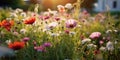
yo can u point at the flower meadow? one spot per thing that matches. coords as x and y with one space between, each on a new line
59 35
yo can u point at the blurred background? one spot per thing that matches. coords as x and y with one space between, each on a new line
45 4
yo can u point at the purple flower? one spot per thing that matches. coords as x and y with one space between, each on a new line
71 23
25 39
47 44
95 35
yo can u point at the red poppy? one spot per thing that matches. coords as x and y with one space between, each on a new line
30 20
7 24
16 45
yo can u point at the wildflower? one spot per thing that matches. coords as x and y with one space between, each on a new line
15 33
8 41
85 40
23 31
96 52
46 17
7 24
54 34
101 42
25 39
67 31
68 6
57 18
95 35
30 20
40 48
102 48
91 45
16 45
23 14
72 33
108 31
51 25
109 46
71 23
47 44
115 31
61 8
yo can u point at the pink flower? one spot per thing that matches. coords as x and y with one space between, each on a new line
67 31
25 39
40 48
47 44
71 23
95 35
101 42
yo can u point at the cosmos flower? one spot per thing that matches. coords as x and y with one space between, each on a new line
7 24
16 45
30 20
71 23
95 35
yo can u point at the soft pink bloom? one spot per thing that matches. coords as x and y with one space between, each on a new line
40 48
95 35
101 42
25 39
71 23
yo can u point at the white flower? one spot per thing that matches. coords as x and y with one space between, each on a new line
13 15
54 34
68 6
110 46
115 31
72 33
91 45
103 48
8 41
51 25
85 40
23 31
23 14
108 31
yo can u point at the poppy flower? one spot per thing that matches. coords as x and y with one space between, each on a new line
7 24
16 45
30 20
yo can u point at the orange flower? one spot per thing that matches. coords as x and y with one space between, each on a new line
30 20
16 45
7 24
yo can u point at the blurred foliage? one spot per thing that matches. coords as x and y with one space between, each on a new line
12 3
